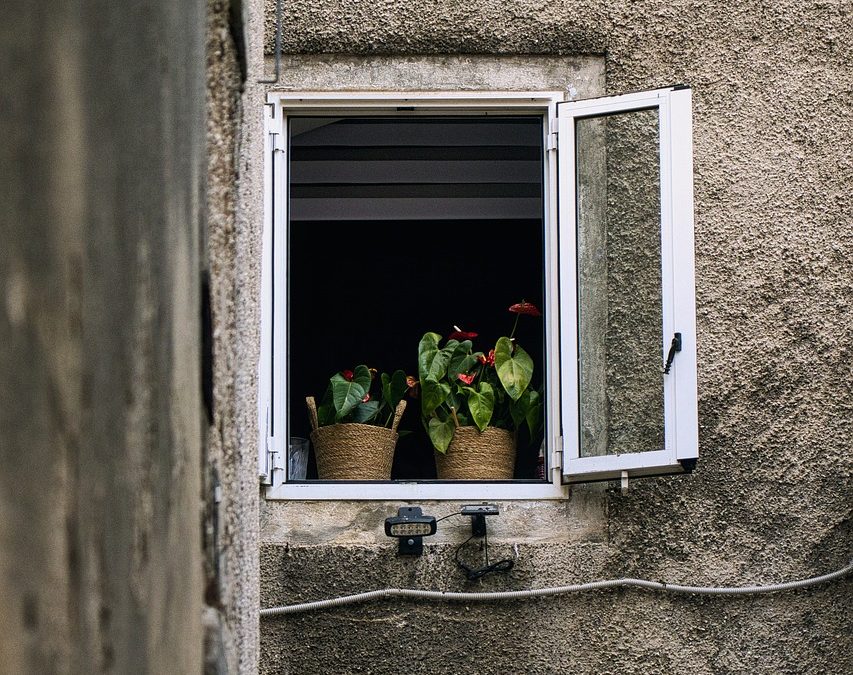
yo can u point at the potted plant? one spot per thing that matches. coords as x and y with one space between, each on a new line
354 431
473 403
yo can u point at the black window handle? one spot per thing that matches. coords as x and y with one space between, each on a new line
675 346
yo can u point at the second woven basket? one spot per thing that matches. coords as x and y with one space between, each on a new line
475 455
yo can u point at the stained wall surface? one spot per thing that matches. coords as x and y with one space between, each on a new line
771 497
101 174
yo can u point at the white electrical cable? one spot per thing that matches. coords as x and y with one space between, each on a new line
559 590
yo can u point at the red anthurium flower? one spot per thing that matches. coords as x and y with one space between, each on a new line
525 307
366 398
347 375
467 379
488 360
459 334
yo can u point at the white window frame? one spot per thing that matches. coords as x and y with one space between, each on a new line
561 315
272 448
681 444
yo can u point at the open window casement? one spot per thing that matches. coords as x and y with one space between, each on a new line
627 315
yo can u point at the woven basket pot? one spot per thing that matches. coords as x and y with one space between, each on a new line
472 455
353 451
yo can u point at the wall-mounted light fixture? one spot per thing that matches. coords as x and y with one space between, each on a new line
410 526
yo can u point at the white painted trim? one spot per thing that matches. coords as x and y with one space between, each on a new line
475 102
278 340
428 101
677 281
413 490
569 380
264 365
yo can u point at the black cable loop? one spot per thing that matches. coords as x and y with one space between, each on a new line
474 573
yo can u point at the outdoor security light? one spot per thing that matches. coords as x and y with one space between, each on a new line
410 526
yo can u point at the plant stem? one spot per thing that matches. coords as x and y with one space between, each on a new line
455 418
514 326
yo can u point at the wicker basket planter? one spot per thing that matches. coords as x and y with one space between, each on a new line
353 451
472 455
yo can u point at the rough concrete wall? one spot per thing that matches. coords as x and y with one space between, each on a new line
234 221
100 414
633 338
771 497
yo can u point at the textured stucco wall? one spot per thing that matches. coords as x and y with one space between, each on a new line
232 256
770 499
101 172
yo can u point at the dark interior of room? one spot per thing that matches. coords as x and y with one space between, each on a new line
407 225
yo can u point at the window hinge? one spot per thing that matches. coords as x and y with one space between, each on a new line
557 456
267 472
552 141
553 130
275 460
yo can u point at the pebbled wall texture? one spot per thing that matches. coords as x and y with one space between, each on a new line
771 497
231 258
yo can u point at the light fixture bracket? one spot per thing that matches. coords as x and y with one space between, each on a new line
478 513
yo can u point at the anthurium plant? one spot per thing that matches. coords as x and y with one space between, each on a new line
360 396
461 387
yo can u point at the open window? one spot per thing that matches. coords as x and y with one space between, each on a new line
388 216
628 336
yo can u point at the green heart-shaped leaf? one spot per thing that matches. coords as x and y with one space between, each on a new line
427 351
518 409
514 370
433 394
385 381
361 376
364 412
325 415
534 412
397 388
481 404
432 361
460 355
441 433
345 396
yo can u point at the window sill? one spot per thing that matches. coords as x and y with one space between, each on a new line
417 490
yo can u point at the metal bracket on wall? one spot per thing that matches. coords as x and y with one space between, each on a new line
274 80
624 482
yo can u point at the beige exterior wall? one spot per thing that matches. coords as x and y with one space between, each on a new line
102 164
231 255
770 499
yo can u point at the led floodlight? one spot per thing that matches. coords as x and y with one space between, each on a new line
410 525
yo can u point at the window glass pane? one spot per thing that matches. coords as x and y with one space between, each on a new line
619 283
403 225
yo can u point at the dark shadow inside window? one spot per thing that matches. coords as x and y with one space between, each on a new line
399 226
